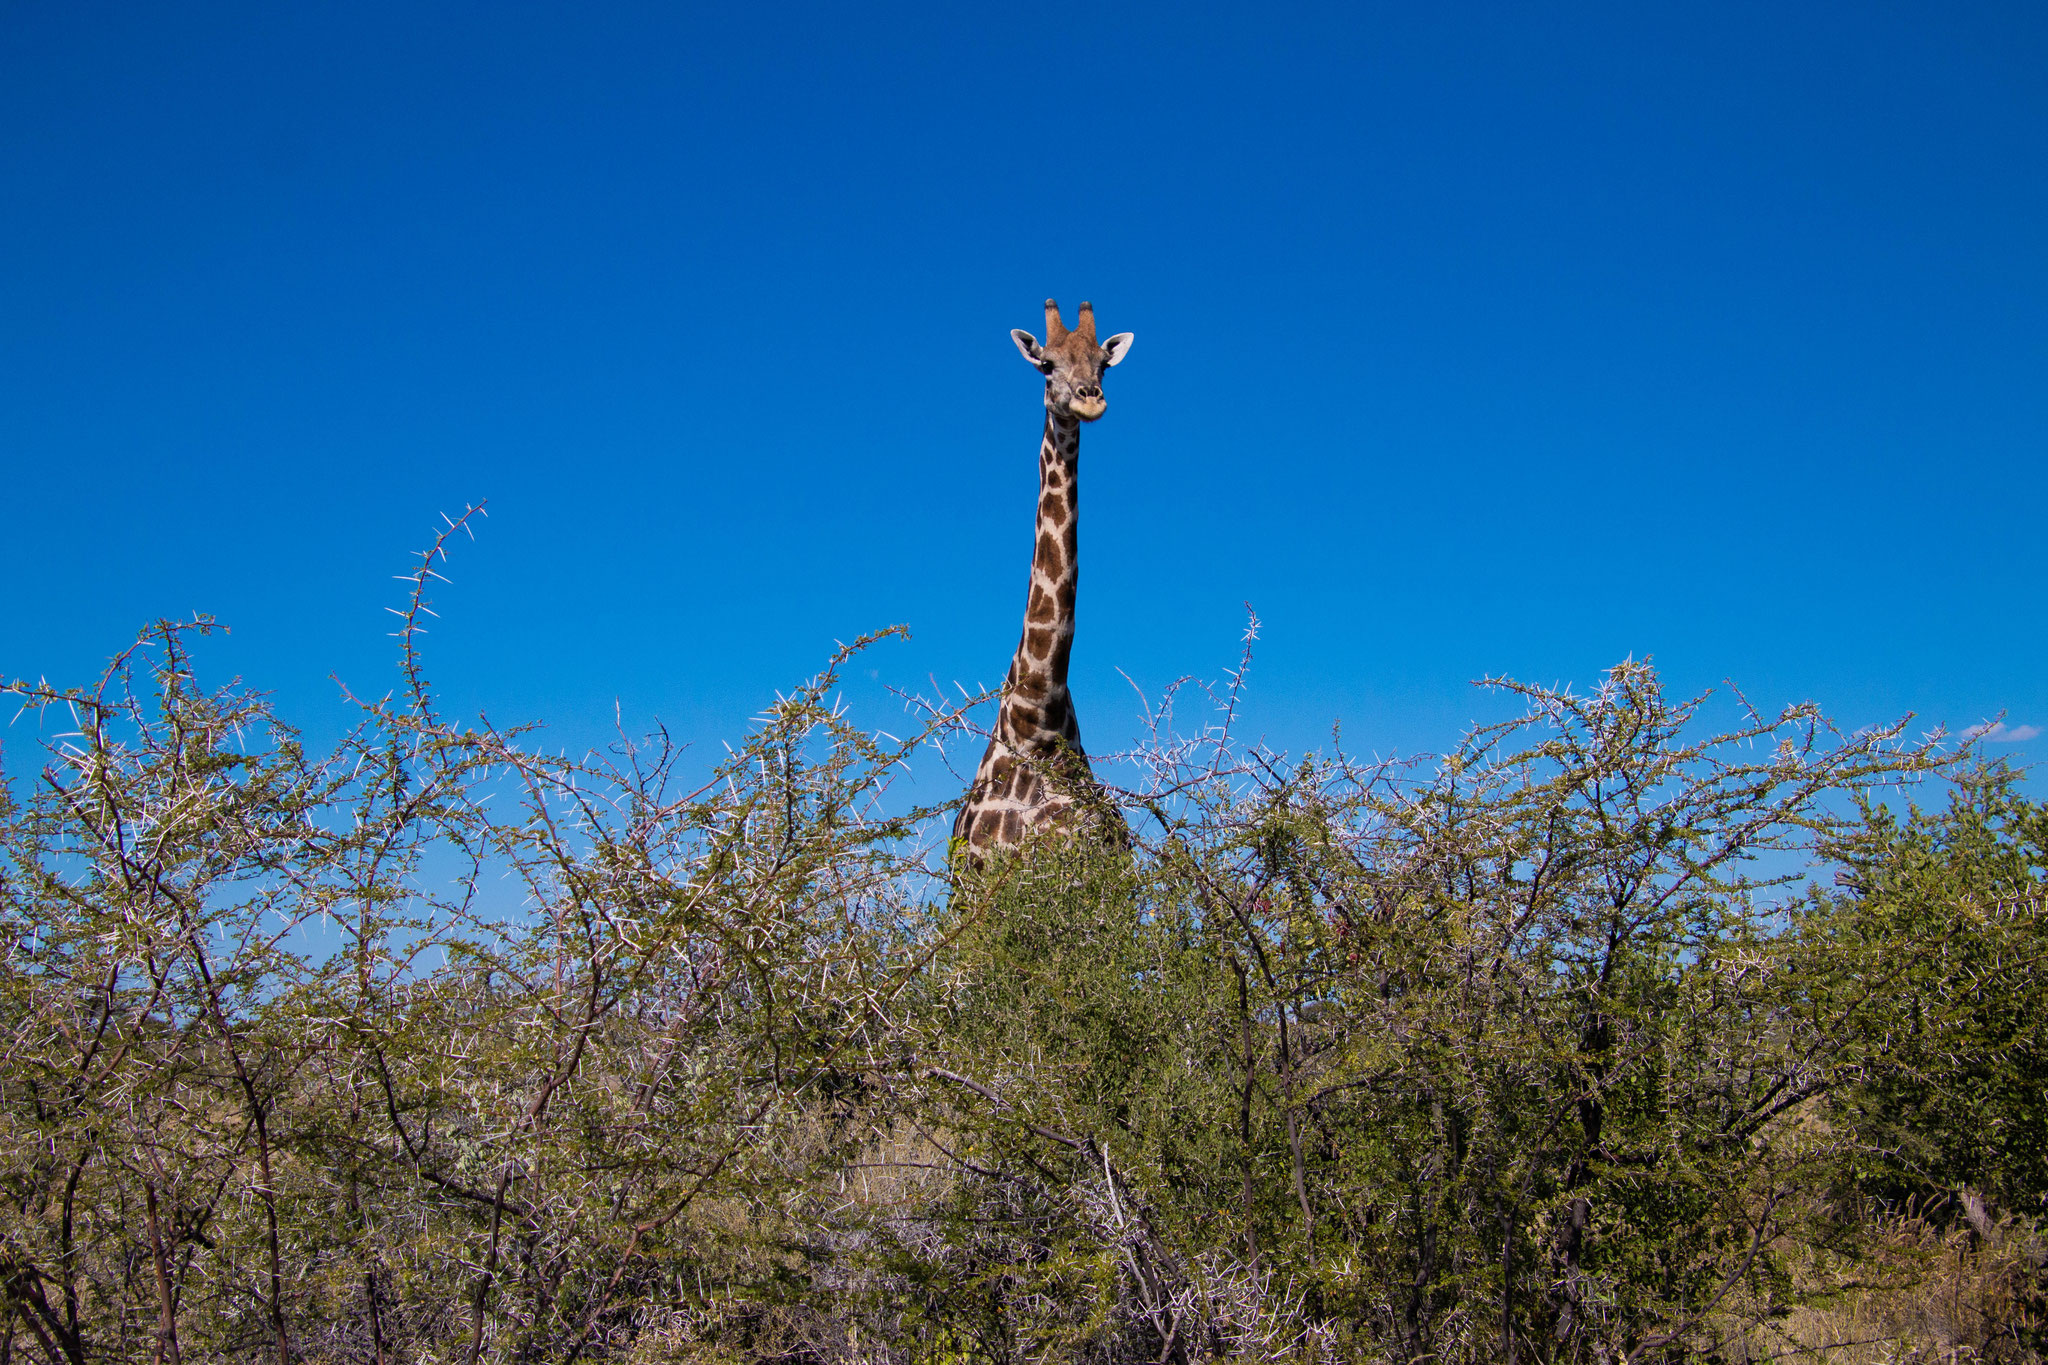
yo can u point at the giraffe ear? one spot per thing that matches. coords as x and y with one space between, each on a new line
1117 347
1028 345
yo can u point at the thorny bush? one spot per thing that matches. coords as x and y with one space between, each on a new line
435 1047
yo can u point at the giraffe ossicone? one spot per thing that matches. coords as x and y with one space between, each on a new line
1035 776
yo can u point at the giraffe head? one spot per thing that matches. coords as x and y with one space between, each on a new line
1072 362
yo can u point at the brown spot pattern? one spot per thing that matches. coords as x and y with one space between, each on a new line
1051 558
1035 767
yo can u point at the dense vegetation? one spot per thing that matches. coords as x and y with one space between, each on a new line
1607 1036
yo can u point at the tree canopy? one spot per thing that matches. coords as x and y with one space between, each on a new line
1612 1034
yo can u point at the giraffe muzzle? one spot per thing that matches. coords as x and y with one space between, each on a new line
1088 403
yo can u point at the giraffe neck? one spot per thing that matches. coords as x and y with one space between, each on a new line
1038 714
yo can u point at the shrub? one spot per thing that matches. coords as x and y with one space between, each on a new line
434 1047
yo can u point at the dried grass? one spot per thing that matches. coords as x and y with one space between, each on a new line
1915 1290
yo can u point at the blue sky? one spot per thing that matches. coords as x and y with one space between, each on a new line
1470 339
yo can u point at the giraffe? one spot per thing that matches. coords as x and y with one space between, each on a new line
1035 774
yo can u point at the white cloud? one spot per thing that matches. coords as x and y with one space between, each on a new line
2001 733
